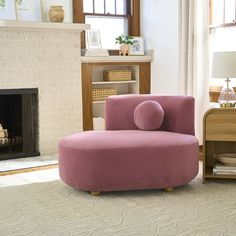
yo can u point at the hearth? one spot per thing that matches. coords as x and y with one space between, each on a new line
18 123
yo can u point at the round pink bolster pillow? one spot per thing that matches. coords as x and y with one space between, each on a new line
148 115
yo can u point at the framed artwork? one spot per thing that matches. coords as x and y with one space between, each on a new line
28 10
93 39
137 48
7 10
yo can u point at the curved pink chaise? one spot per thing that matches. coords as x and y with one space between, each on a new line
125 158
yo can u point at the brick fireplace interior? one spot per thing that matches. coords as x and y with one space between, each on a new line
18 123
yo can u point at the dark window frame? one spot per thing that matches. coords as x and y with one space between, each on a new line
133 16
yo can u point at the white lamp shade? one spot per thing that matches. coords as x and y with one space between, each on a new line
224 65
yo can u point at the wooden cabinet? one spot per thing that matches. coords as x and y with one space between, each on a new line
92 77
219 136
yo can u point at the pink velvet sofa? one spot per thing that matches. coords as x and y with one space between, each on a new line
125 157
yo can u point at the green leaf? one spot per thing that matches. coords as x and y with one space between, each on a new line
124 39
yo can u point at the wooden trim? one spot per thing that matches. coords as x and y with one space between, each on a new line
135 20
144 78
78 17
106 15
25 170
87 99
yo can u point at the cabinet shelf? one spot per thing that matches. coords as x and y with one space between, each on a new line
209 174
114 82
92 78
98 102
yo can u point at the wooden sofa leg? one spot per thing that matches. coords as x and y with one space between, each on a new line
168 189
95 193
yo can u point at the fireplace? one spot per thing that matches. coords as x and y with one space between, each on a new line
18 123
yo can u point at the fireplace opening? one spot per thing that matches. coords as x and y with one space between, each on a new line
18 123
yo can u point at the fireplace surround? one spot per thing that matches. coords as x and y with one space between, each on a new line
45 56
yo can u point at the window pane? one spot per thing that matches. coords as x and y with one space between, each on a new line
229 11
223 39
99 6
88 6
121 7
110 6
218 10
110 28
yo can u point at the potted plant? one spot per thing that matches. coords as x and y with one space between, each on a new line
124 41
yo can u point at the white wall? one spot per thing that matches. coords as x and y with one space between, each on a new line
159 27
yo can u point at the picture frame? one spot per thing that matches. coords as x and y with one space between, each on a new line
29 10
93 39
7 10
137 48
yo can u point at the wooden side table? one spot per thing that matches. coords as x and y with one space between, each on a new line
219 136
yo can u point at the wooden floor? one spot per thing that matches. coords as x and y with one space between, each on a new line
13 172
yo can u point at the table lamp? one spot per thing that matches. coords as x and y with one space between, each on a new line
224 66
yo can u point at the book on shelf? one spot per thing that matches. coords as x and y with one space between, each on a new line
221 169
95 52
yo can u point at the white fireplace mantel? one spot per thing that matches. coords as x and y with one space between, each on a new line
24 25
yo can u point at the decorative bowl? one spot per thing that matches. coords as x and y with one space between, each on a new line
228 159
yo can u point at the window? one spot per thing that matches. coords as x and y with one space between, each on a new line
108 16
111 17
222 13
223 31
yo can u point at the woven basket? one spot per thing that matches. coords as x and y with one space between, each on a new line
102 93
117 75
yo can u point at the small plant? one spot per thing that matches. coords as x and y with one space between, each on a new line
124 39
2 3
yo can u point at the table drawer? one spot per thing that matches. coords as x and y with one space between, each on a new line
221 125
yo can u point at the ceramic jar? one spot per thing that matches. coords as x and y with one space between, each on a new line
56 13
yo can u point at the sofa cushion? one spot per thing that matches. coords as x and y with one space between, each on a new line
127 159
148 115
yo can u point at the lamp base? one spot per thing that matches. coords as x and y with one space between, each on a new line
225 105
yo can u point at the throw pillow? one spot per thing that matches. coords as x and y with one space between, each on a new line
148 115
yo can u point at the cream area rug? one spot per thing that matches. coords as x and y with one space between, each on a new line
52 208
